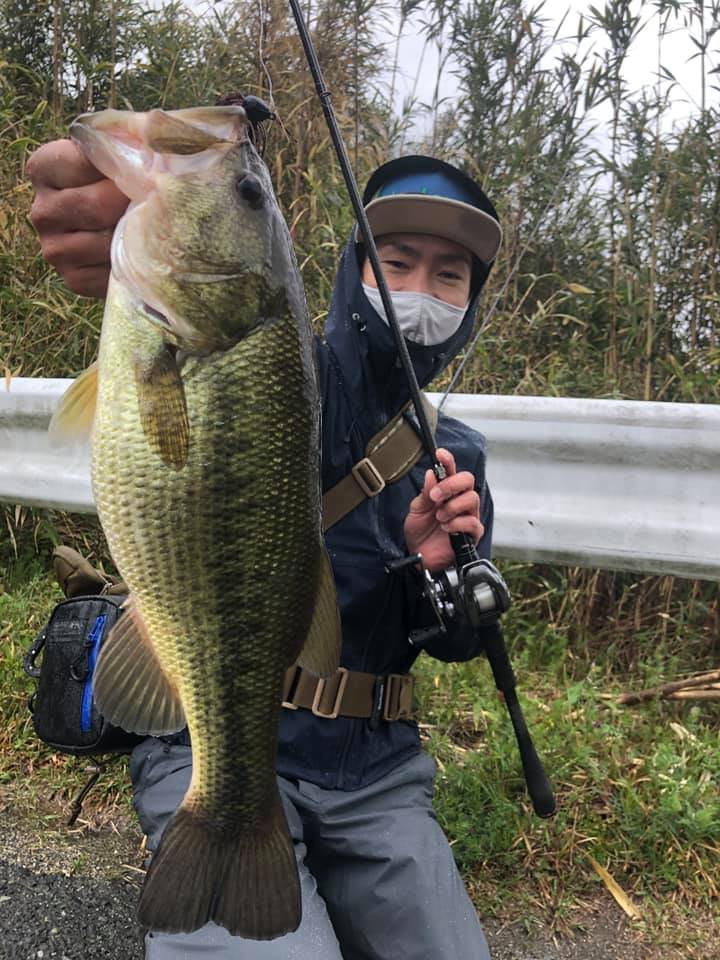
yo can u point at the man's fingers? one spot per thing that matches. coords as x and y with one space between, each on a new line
446 459
88 281
97 206
76 251
74 212
465 524
452 486
61 164
464 503
81 258
422 503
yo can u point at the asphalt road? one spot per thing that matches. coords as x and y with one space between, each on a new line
72 895
67 893
45 915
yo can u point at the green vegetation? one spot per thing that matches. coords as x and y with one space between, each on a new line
638 788
606 286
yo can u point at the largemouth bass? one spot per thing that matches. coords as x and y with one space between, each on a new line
205 469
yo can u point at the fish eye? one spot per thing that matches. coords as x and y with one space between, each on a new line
250 190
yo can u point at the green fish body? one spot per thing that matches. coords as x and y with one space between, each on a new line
205 467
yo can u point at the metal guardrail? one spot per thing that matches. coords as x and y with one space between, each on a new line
32 471
614 484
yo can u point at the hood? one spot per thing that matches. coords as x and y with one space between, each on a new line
364 346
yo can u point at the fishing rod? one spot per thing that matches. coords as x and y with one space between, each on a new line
479 588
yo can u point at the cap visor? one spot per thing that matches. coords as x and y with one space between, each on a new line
439 217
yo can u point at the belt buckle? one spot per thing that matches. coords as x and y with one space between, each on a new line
368 477
322 682
393 706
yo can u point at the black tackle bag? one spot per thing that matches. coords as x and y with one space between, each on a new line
63 706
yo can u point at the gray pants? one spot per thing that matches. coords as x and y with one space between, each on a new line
377 874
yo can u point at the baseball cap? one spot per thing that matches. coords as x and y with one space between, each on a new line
419 194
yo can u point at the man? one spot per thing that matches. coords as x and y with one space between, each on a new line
377 873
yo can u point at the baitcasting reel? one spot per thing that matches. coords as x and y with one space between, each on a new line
474 592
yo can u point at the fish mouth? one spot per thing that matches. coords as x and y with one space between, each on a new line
133 148
113 142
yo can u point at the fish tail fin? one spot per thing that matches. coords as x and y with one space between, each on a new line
246 881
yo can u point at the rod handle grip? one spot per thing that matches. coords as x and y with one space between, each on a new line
464 549
538 785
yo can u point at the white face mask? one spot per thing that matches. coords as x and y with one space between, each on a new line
422 318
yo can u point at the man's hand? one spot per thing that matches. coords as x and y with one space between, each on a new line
450 506
74 212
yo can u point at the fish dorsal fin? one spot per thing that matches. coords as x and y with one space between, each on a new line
165 133
321 652
131 688
163 410
73 419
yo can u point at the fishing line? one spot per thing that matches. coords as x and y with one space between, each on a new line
261 55
491 312
262 9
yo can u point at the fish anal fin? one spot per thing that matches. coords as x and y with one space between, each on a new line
162 406
131 688
73 419
244 880
321 652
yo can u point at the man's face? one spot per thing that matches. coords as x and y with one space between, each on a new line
420 263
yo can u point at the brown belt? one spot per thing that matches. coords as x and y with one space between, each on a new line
350 693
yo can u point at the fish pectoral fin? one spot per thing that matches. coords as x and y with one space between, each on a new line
131 688
321 652
165 133
162 406
73 419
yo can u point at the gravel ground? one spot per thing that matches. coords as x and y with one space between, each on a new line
69 895
72 894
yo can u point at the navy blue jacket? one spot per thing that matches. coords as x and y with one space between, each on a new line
362 388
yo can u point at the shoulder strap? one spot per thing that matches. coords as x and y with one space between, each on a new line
389 455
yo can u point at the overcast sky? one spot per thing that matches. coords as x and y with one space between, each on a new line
641 68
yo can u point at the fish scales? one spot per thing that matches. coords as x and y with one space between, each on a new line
202 567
